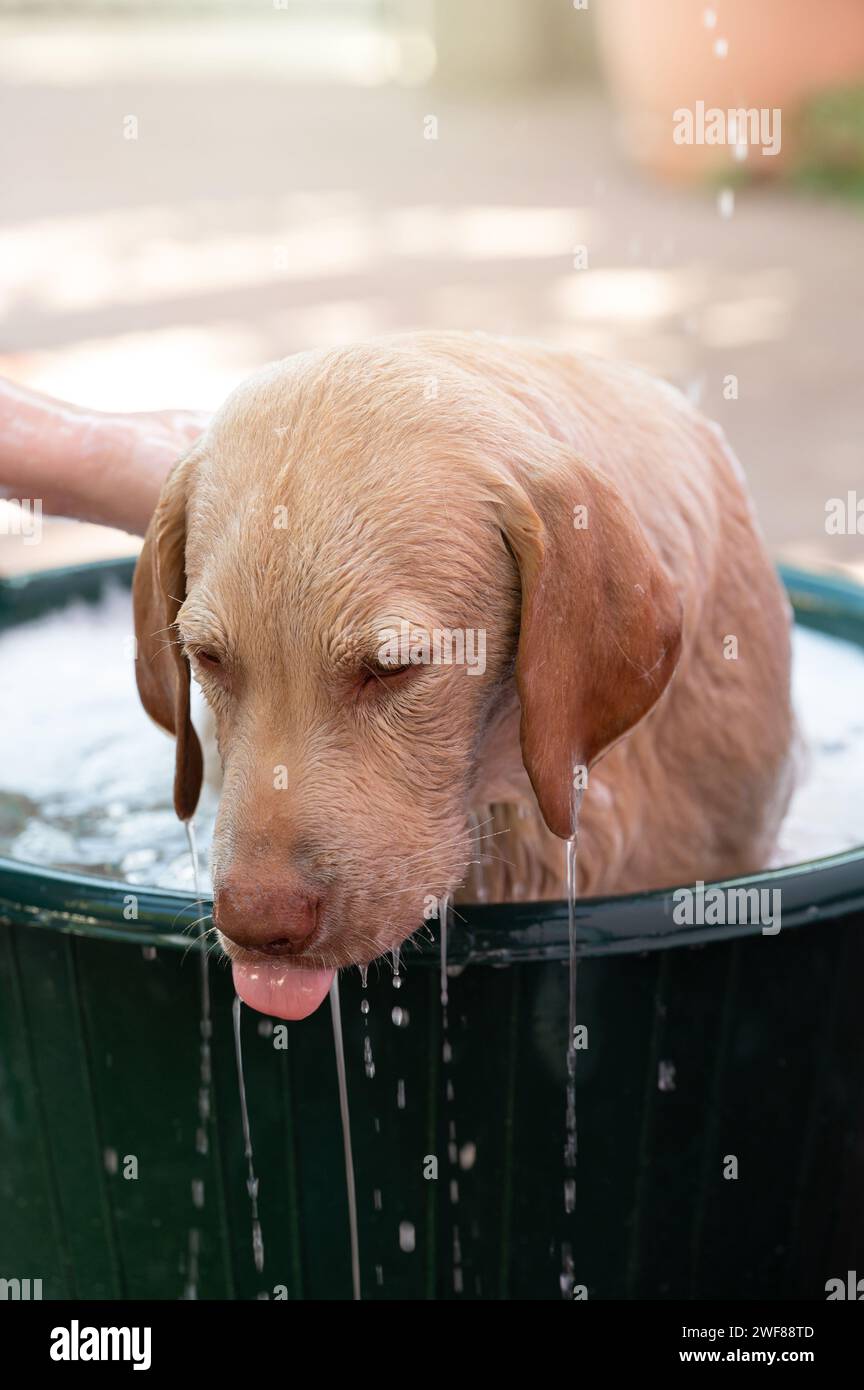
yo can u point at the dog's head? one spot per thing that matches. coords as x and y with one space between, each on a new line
370 562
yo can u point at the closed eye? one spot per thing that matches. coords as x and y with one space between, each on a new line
205 658
373 673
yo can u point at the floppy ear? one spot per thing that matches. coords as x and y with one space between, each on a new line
161 670
600 627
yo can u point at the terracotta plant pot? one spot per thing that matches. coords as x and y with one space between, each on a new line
665 57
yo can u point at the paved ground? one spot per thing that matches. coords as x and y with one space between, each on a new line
254 216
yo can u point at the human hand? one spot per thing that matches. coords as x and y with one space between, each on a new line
91 465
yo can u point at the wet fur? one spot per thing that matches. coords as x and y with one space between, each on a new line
433 477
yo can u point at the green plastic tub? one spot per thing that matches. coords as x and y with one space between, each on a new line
705 1044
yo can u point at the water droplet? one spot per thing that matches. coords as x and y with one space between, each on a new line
570 1195
397 978
567 1270
191 1289
721 48
467 1156
364 974
377 1199
148 952
257 1246
454 1192
364 1006
407 1237
400 1017
379 1275
197 1192
265 1027
666 1076
109 1158
400 1094
367 1057
726 203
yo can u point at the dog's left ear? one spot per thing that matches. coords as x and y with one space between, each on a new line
600 627
161 669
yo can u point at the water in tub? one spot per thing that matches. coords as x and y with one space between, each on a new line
85 776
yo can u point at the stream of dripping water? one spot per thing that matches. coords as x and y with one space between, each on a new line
205 1029
251 1180
368 1059
346 1135
445 910
449 1093
571 1144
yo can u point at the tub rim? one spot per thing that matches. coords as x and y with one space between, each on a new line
815 890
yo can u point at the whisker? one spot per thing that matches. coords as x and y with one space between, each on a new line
459 839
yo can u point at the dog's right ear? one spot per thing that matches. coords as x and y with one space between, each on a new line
601 621
161 670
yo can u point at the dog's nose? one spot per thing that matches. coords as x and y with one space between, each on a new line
279 916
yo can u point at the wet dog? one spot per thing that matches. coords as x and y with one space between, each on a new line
342 508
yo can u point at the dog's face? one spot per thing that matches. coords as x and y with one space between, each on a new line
344 569
313 573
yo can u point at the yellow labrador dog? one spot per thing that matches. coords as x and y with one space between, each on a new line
439 582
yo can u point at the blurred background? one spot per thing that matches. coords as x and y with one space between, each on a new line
193 187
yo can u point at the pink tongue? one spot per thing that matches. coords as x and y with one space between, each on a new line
272 988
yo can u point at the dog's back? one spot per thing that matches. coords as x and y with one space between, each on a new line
700 787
